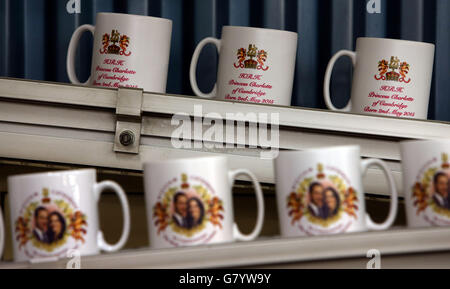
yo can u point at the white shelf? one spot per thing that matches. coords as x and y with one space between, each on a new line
74 125
273 252
68 124
55 93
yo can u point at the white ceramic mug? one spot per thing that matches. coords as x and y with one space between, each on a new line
255 65
426 176
320 192
189 202
390 78
129 51
53 214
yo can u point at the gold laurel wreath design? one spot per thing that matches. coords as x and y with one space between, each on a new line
324 223
439 210
188 232
295 201
49 247
22 229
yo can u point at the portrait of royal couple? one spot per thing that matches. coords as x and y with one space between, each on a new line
324 202
188 212
49 227
441 196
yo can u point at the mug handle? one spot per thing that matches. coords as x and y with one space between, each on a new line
371 225
71 53
260 204
98 189
193 69
2 235
328 73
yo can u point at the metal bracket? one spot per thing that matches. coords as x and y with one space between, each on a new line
129 120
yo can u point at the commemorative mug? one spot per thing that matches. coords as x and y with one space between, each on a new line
189 202
426 176
391 78
129 51
320 192
53 214
253 67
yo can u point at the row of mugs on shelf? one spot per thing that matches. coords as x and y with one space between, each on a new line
189 201
391 77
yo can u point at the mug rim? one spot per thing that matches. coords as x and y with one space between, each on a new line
233 27
53 174
314 150
398 40
135 16
179 160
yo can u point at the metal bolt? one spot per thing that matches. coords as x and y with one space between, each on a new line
126 138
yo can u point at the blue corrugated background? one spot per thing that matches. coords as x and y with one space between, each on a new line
34 36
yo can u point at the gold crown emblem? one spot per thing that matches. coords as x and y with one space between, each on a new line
320 174
252 51
45 194
184 179
115 43
394 70
251 58
445 164
394 65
